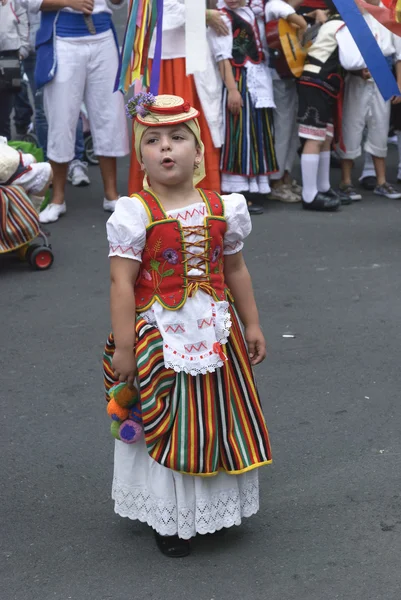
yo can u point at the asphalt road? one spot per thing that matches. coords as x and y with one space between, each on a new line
330 520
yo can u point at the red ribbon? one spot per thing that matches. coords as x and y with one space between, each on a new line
217 349
169 110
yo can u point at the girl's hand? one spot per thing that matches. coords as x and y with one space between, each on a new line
234 101
124 366
256 344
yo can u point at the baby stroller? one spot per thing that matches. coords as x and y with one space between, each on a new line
20 230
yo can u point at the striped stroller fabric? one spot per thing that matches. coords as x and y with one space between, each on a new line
248 148
199 425
19 221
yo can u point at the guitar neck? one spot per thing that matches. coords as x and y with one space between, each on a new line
311 34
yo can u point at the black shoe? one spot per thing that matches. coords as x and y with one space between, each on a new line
345 200
255 209
330 194
369 183
322 202
172 546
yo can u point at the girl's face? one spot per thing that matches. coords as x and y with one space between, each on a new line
169 154
234 4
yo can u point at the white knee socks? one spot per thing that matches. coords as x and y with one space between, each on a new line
310 168
323 174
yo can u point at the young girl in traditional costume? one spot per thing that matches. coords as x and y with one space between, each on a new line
176 270
248 154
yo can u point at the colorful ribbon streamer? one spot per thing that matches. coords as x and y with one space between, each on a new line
143 16
368 47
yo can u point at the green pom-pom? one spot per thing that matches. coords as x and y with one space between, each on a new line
115 429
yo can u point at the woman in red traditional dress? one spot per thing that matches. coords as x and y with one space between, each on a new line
202 90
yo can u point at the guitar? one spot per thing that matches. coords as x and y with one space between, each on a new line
288 52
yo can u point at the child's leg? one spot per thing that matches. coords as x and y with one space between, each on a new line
346 171
399 155
323 175
380 169
310 168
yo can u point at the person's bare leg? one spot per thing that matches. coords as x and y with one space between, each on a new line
346 171
380 168
108 168
59 181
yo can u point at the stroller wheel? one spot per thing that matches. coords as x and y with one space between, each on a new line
28 251
30 138
90 156
41 258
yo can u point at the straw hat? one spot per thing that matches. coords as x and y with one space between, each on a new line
9 162
165 110
158 111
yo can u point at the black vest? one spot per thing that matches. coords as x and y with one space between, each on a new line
246 43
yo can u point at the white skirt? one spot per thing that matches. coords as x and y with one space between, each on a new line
177 504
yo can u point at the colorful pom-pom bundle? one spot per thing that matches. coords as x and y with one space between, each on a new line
125 413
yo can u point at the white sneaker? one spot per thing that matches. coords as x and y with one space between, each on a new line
109 205
52 213
78 173
283 194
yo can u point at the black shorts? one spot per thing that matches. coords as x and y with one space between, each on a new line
315 113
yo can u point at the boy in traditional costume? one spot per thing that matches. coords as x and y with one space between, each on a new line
176 269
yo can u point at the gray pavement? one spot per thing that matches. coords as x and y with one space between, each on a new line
330 520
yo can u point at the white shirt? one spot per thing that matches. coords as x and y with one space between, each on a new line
277 9
274 10
350 57
173 45
191 332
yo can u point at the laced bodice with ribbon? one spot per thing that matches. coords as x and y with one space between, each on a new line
183 266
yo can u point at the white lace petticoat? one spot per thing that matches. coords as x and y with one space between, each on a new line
177 504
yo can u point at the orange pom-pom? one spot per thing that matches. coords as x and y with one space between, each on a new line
123 395
116 412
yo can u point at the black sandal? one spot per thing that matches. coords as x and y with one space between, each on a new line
172 546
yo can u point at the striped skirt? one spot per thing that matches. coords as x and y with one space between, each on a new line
248 147
201 424
19 222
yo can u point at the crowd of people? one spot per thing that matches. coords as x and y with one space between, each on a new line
255 119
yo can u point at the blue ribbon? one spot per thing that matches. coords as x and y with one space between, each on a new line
368 47
156 65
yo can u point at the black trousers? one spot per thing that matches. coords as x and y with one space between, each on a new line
6 105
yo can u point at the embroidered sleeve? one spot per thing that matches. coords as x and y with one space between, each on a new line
126 229
239 223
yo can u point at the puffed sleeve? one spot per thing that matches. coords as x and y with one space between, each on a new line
126 229
239 224
221 45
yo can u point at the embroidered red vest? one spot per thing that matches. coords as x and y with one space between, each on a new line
163 275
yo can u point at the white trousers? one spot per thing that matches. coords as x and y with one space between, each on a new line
364 107
285 125
86 72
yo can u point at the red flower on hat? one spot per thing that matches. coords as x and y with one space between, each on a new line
186 107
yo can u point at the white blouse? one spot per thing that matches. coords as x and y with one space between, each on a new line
193 334
259 79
